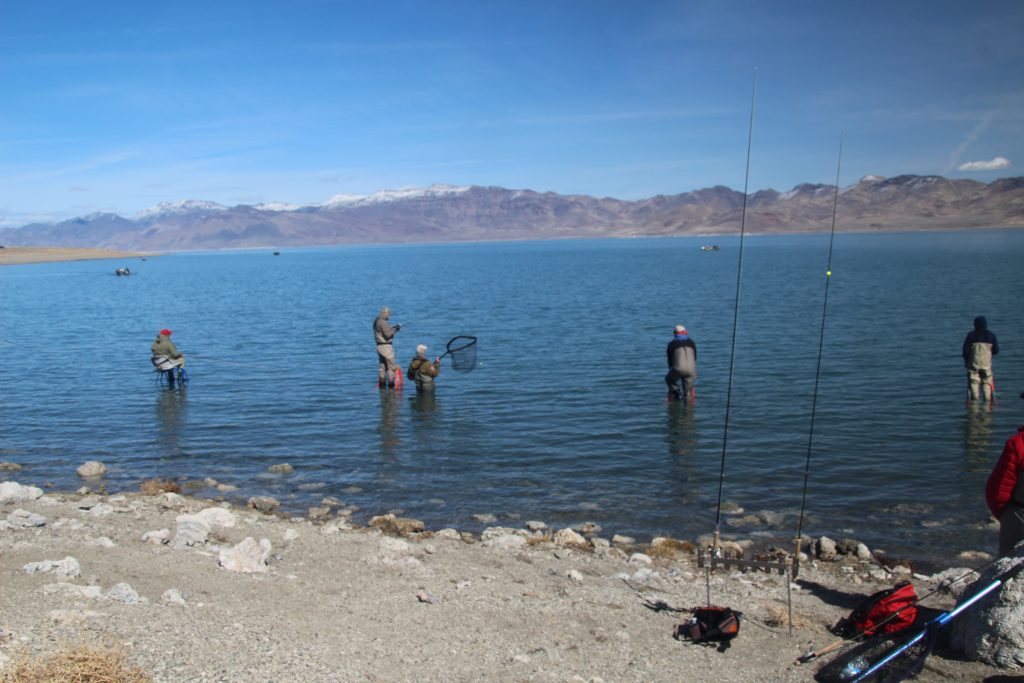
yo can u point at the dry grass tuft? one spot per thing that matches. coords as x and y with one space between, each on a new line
778 617
154 487
667 548
546 537
74 664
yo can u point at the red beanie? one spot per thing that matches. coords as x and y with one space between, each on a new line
165 332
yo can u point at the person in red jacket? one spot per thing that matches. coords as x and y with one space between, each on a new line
1004 492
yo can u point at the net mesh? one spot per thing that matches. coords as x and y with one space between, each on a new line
462 349
852 665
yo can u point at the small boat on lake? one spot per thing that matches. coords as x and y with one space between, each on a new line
710 247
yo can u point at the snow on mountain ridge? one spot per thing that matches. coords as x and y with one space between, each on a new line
381 196
179 207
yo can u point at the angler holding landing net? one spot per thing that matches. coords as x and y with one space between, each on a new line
423 371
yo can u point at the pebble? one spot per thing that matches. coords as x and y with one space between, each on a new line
574 576
157 537
534 525
265 504
282 468
485 518
619 539
173 596
569 537
68 567
426 597
122 592
248 557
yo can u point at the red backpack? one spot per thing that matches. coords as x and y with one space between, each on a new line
886 611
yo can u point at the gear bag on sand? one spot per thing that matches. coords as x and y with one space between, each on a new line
709 626
887 611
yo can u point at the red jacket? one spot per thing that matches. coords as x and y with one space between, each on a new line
1007 476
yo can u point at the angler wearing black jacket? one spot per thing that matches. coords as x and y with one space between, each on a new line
980 346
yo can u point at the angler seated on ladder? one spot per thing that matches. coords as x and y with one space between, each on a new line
167 359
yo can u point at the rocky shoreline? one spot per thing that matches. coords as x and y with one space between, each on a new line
200 591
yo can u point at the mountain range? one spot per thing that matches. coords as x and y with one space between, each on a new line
444 213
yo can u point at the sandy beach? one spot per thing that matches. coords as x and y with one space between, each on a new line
175 582
12 256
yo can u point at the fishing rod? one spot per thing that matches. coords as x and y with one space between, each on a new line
821 347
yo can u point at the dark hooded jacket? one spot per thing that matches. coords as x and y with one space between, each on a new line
682 355
980 346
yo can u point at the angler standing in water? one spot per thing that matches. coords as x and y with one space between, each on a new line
423 371
980 346
682 365
383 333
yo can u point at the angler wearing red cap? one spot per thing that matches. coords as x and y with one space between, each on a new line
165 355
682 365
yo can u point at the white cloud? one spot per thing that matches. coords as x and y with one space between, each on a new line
994 164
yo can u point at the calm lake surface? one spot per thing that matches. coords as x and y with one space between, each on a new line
564 420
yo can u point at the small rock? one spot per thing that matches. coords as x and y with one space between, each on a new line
265 504
619 539
568 537
83 491
9 467
248 557
172 501
91 468
826 548
24 519
104 542
282 468
401 526
319 514
426 597
331 501
68 567
589 528
574 576
535 525
640 560
190 530
450 534
122 592
485 518
173 596
157 537
226 488
290 535
862 552
217 517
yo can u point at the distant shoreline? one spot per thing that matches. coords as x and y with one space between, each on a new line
13 256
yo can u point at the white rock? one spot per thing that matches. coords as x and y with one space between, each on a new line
67 567
569 537
189 531
24 519
574 576
505 542
157 537
122 592
486 518
393 546
104 542
173 596
92 468
619 539
171 501
100 510
12 491
640 560
217 516
450 534
534 525
290 535
248 557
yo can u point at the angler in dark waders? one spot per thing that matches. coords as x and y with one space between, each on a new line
166 358
682 365
383 333
980 346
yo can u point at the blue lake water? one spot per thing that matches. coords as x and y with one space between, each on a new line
564 420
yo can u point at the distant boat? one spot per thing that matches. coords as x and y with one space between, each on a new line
277 253
710 247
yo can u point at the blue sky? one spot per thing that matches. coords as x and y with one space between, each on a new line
116 106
